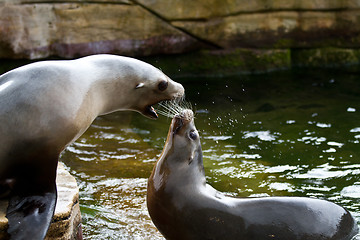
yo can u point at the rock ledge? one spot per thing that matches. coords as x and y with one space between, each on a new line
66 223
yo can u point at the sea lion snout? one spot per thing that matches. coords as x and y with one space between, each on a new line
176 88
186 115
181 119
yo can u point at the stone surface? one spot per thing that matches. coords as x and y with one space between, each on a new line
66 223
283 29
223 62
36 29
63 1
71 30
187 9
253 61
328 57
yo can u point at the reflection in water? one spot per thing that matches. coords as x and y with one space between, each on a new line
119 211
288 133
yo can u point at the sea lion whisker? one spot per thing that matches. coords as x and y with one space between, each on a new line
171 108
166 114
175 107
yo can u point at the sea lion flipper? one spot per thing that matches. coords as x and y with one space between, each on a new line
30 216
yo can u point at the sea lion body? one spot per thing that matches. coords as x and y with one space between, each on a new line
183 206
47 105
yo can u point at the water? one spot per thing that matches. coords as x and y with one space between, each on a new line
280 134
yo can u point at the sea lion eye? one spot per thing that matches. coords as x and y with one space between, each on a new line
163 85
193 135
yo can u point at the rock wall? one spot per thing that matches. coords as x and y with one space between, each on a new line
39 30
36 29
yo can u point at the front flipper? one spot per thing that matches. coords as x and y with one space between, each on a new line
30 216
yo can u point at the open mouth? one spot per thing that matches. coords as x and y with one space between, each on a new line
150 112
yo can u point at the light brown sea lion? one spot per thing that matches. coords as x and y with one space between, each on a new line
182 206
47 105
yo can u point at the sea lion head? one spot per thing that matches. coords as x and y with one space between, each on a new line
152 87
183 142
124 83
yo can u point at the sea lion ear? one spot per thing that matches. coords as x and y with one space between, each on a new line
140 85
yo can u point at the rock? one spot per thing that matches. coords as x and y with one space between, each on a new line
236 61
200 10
73 28
66 223
70 30
223 62
328 57
283 29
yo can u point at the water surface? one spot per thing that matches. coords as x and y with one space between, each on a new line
293 133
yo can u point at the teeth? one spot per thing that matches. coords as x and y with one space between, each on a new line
152 112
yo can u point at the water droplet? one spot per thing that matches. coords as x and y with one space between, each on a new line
290 121
351 109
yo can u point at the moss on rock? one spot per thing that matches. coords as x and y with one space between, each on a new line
224 62
324 57
247 61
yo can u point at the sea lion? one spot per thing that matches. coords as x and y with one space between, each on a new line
182 206
45 106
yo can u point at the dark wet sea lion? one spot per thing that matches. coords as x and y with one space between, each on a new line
47 105
182 206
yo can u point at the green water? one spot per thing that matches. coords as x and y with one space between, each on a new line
287 133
